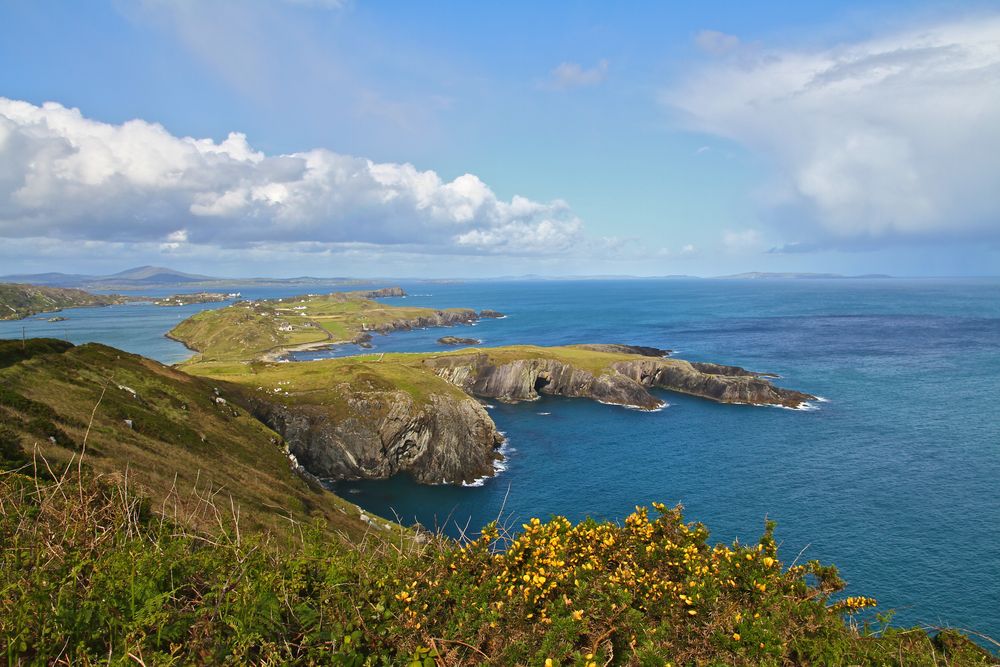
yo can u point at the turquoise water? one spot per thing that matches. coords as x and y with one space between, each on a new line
895 479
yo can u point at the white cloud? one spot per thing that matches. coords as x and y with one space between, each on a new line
573 75
890 139
715 42
743 241
66 176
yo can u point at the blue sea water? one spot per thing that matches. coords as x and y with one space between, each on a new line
895 479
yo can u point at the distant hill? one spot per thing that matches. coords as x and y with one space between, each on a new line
18 301
759 275
140 275
157 276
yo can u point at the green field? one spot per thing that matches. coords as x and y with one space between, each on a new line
252 329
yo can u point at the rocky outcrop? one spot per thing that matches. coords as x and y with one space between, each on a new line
490 315
381 293
625 382
440 318
625 349
737 386
455 340
382 434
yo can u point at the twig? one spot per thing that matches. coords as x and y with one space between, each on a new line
461 643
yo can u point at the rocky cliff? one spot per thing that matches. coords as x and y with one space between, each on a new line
375 435
623 382
377 416
439 318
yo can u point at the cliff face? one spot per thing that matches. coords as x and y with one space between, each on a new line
725 384
386 433
624 383
440 318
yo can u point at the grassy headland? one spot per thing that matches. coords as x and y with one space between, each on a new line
18 301
252 329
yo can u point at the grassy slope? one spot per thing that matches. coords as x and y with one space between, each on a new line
18 301
248 330
411 372
180 438
330 382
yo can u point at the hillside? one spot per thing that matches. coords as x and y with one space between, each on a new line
178 437
18 301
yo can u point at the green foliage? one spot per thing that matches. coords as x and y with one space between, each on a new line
12 455
20 300
13 351
89 574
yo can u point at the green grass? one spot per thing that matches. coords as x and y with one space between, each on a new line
245 331
18 301
332 383
91 572
182 435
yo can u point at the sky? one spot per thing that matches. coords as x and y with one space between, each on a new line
351 138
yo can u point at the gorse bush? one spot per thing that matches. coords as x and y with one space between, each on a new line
90 573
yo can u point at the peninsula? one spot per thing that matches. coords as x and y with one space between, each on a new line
375 416
272 328
18 301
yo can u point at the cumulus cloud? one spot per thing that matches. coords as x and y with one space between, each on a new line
63 175
890 139
573 75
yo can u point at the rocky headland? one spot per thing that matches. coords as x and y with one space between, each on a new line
380 434
375 416
269 329
620 381
18 300
455 340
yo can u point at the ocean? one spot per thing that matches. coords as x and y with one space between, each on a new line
895 478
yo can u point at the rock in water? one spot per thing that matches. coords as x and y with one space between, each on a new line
455 340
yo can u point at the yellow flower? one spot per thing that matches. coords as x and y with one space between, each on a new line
768 561
577 615
548 662
736 636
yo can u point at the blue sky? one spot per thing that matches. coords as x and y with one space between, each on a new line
665 138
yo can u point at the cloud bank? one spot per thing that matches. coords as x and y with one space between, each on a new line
65 176
892 139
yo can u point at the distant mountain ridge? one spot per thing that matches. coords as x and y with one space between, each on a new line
139 275
149 276
763 275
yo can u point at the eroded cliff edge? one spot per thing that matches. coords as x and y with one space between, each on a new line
366 420
376 416
610 377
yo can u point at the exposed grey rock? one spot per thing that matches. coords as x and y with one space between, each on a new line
626 382
455 340
386 433
625 349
